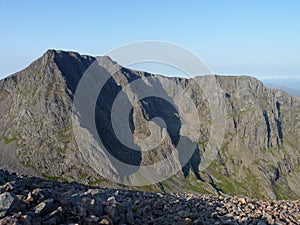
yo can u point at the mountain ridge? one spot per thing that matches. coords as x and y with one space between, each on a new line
260 145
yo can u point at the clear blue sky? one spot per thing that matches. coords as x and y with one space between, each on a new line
258 37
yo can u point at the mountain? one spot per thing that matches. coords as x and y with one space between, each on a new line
43 134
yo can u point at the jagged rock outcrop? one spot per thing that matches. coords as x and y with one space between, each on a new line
259 155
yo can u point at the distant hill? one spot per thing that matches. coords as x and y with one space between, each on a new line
290 85
259 156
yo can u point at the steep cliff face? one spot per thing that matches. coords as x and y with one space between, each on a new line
260 152
259 155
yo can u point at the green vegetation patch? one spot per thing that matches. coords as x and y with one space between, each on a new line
95 182
54 178
26 164
247 185
7 140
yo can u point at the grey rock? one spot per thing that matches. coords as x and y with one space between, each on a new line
2 181
8 186
9 202
8 221
110 211
95 208
44 207
129 216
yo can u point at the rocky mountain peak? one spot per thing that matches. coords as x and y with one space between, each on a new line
258 157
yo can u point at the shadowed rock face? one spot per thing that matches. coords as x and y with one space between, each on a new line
259 157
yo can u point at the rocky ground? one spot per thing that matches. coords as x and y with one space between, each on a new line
31 200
